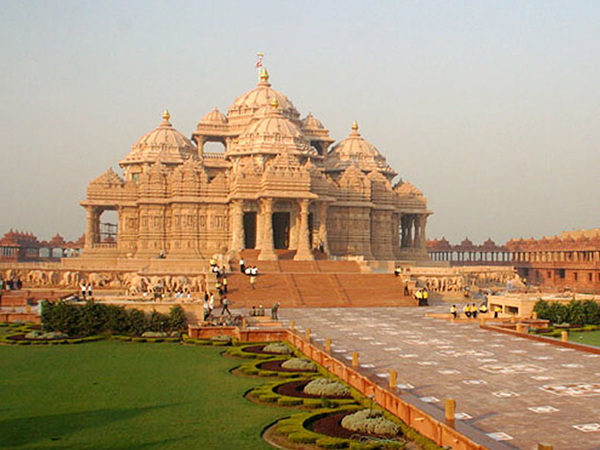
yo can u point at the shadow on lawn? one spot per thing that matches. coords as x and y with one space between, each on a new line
29 430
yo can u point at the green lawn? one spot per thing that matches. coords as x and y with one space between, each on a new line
112 395
588 337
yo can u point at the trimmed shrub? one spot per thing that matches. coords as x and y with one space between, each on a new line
327 387
289 401
332 442
299 364
370 422
302 437
154 334
277 347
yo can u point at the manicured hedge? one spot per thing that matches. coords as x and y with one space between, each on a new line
97 318
577 312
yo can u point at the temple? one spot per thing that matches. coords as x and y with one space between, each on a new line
278 185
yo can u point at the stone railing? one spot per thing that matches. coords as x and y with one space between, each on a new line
209 155
105 245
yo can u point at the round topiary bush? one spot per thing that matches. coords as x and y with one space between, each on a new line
36 334
154 334
299 364
326 387
370 422
277 347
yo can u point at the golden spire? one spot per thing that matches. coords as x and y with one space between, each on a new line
264 75
275 103
166 115
354 126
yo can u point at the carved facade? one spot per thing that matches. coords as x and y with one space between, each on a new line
277 185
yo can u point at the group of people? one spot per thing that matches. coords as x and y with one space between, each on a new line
260 311
11 284
86 289
209 304
422 297
470 310
250 271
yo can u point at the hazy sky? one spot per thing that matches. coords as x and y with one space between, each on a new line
491 108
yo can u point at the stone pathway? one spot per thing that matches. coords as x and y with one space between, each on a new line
513 389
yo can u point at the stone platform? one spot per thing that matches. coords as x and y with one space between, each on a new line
513 389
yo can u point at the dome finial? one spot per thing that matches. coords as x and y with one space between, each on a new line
264 75
355 126
275 103
165 115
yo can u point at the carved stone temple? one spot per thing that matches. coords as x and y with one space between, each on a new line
279 184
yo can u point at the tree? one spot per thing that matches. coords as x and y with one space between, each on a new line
158 321
542 308
592 312
136 320
177 319
116 319
576 313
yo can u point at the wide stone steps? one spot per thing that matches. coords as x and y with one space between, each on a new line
315 289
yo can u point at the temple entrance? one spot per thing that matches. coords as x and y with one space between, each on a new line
281 230
250 229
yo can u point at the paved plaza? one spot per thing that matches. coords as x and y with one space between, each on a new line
513 389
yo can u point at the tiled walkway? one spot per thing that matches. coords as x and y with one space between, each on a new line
513 389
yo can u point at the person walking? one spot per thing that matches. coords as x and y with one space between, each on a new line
274 310
82 287
453 311
474 311
225 306
89 291
211 302
206 309
253 281
224 285
242 266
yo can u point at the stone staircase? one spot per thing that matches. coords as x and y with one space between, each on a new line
320 283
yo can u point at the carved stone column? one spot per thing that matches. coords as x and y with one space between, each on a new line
267 252
417 228
90 227
405 231
237 235
410 238
422 236
303 253
323 227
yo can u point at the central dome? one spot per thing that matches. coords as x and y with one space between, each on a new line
244 107
272 133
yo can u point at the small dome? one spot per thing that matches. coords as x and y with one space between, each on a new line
409 189
164 142
215 117
355 149
311 122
